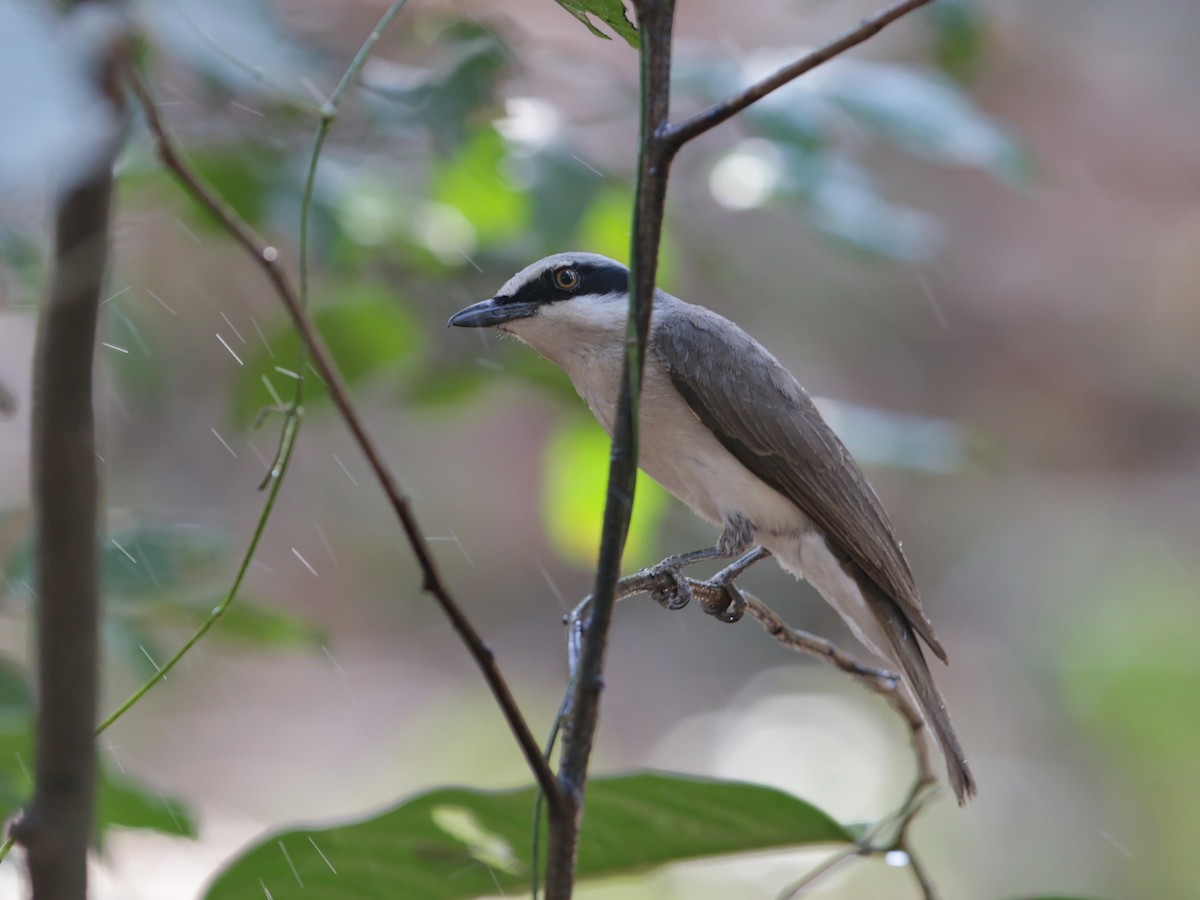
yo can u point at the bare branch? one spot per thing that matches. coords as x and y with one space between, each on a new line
268 259
680 134
711 596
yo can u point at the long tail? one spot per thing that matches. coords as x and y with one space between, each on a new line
907 652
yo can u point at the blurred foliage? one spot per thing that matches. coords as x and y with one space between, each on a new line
805 140
432 181
960 35
458 843
611 12
1131 681
365 326
160 580
574 486
444 100
120 801
235 47
62 128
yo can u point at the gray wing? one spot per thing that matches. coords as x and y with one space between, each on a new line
762 415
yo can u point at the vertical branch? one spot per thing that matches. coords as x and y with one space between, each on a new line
58 824
655 22
659 142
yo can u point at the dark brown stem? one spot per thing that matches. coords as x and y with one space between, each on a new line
268 259
57 826
680 134
655 22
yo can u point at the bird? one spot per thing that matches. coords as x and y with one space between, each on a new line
726 429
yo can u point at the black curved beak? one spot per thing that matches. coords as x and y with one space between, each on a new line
490 313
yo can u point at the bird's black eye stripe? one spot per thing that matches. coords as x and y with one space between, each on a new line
593 279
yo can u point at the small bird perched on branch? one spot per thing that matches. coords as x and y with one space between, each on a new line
730 432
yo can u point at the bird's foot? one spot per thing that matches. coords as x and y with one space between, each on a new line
672 590
722 600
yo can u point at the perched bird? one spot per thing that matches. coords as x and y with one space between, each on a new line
731 433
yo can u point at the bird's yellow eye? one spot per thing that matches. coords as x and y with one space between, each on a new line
567 279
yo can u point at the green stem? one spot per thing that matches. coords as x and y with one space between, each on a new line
291 428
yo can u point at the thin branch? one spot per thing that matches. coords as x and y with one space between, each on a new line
827 865
655 22
680 134
268 259
57 825
711 595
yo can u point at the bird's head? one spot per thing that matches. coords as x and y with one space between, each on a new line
557 304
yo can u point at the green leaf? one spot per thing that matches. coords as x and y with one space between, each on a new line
475 185
15 700
141 561
457 843
16 768
120 801
574 486
610 12
124 803
606 229
247 177
564 191
462 82
959 36
368 331
260 625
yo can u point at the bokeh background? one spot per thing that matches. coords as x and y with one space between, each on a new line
978 240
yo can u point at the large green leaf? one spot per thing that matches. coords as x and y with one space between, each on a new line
457 843
610 12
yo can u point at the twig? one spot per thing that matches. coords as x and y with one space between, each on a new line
57 825
655 22
268 259
680 134
827 865
707 593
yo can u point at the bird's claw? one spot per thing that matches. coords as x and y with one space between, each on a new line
725 603
674 596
